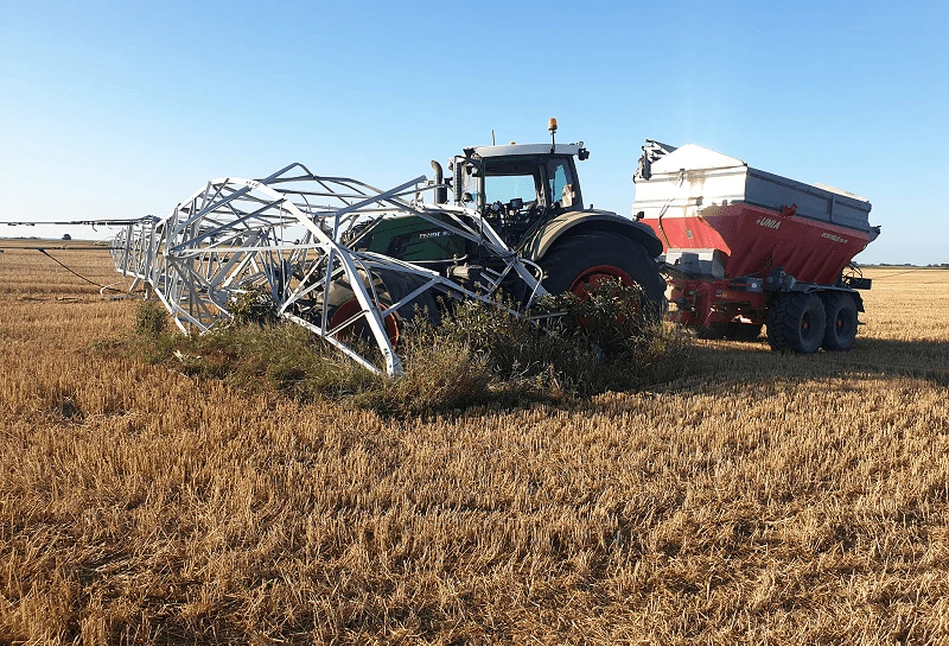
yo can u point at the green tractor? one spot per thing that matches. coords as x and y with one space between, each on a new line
530 195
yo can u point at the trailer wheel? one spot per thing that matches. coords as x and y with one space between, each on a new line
796 322
841 328
580 262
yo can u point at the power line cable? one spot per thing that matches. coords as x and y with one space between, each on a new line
74 273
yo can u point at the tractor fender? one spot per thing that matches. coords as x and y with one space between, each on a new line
574 222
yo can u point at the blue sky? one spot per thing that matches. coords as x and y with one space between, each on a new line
122 109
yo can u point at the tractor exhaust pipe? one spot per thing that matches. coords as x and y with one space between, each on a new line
441 191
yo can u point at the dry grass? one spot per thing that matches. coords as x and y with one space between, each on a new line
763 499
478 354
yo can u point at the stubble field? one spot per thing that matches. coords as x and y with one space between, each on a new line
760 499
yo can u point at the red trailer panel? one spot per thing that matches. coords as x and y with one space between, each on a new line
756 240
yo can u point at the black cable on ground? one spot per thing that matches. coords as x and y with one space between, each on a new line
91 282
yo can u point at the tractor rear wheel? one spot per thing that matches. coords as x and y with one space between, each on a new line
580 262
796 322
841 329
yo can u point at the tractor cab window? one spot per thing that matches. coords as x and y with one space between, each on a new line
560 183
507 187
540 180
508 178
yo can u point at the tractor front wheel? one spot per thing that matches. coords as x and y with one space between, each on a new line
344 310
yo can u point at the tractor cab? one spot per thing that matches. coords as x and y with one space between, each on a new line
517 188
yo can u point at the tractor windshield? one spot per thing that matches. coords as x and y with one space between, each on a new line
504 188
506 178
541 180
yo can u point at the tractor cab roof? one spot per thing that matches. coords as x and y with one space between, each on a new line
524 149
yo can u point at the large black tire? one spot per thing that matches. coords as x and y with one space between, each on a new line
796 322
390 287
841 327
579 259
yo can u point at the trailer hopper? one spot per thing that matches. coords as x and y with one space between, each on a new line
736 237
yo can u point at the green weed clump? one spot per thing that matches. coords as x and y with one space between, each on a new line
257 356
479 353
151 319
570 347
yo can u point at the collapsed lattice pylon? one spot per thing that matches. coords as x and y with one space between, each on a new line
295 235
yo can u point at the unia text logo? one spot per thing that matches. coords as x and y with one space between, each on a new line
771 223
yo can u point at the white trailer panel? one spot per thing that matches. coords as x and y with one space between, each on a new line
691 178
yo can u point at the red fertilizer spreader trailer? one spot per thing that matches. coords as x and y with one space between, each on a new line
745 248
